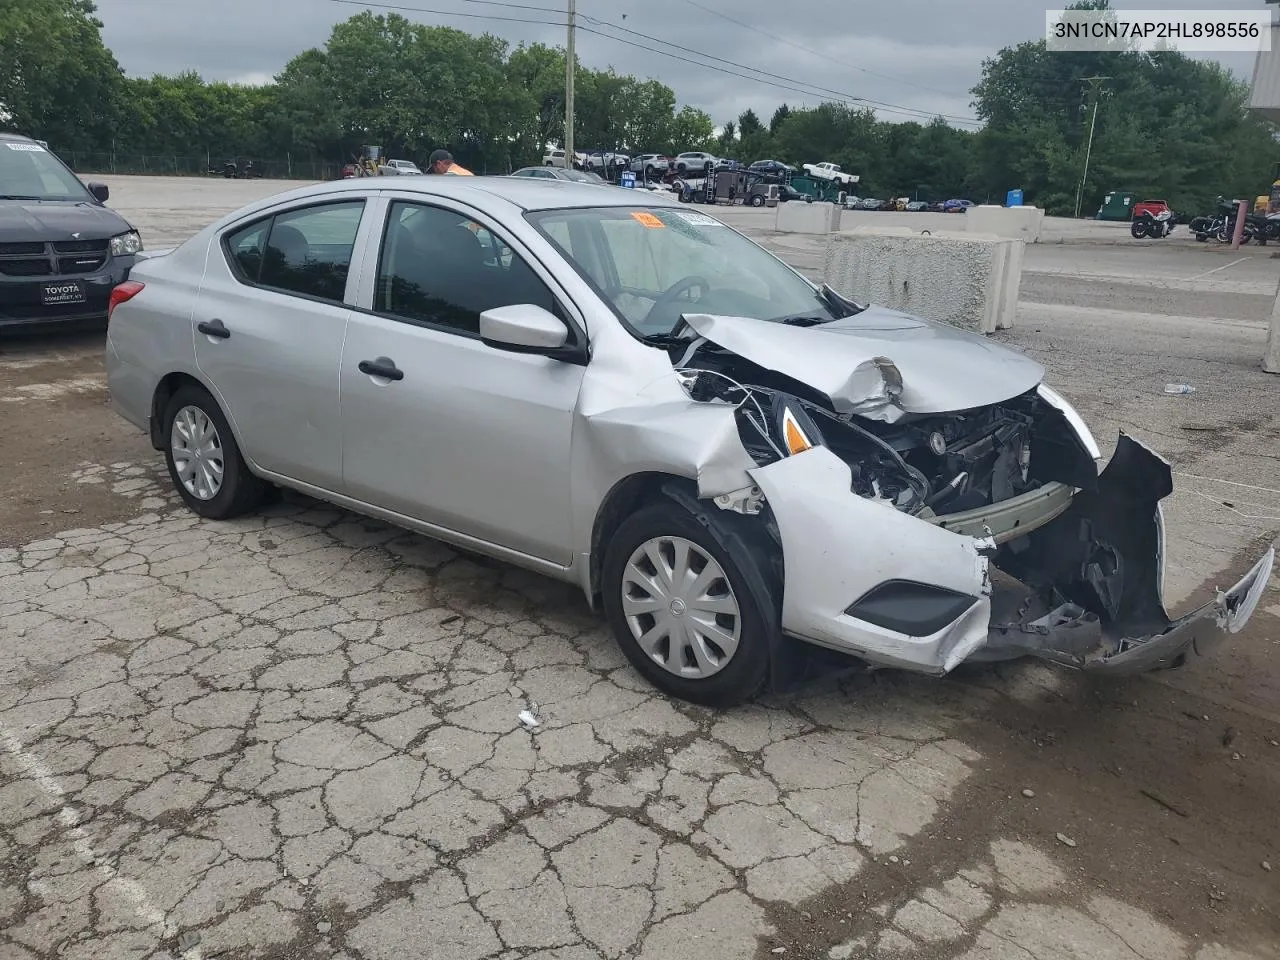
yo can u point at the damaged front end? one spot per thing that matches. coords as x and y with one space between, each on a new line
921 539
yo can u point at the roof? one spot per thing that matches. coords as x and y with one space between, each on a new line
527 193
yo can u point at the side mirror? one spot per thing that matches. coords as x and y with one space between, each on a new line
523 328
100 192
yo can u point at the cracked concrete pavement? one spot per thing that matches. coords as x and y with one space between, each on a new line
297 735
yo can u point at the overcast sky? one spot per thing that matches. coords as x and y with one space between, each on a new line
922 55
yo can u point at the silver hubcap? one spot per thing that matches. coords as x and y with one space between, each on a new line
680 607
197 453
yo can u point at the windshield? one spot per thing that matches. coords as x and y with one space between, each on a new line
30 172
653 265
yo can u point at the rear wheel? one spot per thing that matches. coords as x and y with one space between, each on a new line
692 615
204 461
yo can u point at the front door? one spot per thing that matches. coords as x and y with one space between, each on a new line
269 325
435 424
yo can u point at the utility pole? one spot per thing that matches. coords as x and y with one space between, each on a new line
1095 92
570 61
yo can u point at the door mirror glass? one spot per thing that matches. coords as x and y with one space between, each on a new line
523 328
99 191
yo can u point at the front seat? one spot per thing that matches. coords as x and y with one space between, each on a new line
287 254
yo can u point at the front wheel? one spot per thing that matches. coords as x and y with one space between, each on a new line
1138 229
757 200
689 606
204 460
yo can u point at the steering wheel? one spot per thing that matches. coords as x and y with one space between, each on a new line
673 292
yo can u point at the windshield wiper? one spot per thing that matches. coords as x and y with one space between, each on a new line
843 306
802 320
665 339
17 196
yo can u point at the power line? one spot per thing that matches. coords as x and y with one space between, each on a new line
816 53
458 13
786 83
777 81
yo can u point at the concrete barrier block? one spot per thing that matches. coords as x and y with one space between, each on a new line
796 216
1015 223
966 280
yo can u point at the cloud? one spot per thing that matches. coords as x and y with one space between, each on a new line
912 58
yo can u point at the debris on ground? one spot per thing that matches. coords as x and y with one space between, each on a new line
188 940
1266 865
1065 840
528 718
1157 798
1179 388
1028 793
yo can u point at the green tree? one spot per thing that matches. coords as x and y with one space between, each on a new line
58 81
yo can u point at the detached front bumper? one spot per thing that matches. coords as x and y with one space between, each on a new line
1084 590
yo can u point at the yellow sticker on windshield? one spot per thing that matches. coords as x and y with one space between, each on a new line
648 219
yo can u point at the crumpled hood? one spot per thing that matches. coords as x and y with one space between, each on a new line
36 222
943 369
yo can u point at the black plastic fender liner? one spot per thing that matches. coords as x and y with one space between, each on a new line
1103 553
1103 556
745 536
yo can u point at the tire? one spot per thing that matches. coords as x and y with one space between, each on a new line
238 491
757 200
729 676
1138 230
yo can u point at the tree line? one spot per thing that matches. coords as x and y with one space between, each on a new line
1167 126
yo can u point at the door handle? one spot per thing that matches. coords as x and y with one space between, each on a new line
383 367
214 328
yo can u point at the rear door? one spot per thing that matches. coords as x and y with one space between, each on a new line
269 325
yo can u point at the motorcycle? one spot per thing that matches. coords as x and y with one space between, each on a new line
1157 225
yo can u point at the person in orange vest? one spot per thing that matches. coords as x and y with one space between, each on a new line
441 161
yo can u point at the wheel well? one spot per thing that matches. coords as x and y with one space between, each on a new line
627 496
169 384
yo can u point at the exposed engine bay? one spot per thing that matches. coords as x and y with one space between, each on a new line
924 465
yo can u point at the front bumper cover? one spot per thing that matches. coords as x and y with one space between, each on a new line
1083 590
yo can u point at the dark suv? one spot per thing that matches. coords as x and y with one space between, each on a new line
61 249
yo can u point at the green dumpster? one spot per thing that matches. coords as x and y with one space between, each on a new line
1117 205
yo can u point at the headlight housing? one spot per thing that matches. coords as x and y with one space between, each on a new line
126 244
1059 402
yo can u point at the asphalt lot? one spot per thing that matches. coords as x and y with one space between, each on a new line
295 735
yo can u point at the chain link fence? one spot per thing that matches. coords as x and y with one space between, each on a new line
286 168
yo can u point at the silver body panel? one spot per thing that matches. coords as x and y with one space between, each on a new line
516 454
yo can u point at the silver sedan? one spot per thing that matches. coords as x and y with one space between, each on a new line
618 391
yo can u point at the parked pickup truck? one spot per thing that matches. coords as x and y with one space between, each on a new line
830 171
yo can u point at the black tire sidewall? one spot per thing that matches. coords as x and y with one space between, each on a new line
747 672
240 489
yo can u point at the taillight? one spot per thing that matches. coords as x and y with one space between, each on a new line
121 293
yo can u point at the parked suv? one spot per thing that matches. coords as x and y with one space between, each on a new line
652 165
696 161
61 250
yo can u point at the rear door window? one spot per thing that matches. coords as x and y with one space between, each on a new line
305 252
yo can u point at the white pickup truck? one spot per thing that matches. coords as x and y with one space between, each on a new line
830 171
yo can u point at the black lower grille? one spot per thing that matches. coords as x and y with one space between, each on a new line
32 267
